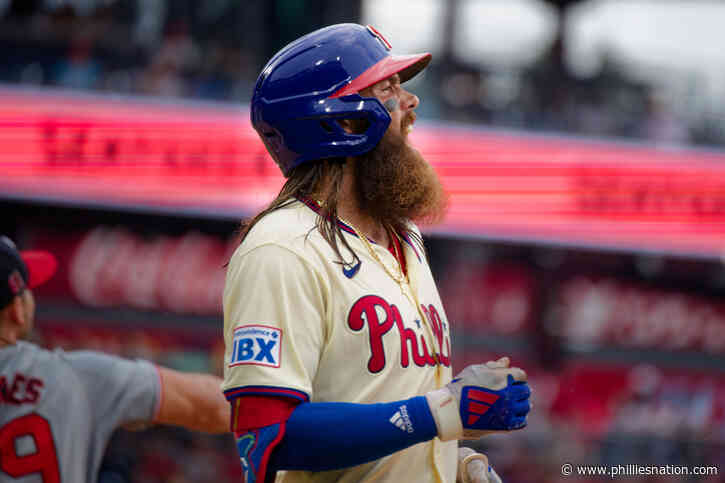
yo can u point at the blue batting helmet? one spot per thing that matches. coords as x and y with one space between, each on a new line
313 82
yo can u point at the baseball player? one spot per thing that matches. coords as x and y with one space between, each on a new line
59 409
338 353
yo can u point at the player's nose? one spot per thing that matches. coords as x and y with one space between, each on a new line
408 100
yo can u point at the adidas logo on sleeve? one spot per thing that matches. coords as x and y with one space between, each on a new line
401 420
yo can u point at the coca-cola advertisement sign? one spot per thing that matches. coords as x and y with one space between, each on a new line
113 266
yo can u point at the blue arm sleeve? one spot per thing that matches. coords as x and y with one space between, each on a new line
329 436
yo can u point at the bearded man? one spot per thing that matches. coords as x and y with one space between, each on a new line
338 361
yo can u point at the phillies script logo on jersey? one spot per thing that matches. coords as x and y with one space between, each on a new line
380 318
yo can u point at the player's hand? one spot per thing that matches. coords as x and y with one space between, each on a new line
473 467
483 398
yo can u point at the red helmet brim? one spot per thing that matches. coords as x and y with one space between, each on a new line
406 66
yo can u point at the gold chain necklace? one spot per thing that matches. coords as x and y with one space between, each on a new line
399 278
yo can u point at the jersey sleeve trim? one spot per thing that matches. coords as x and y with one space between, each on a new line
266 391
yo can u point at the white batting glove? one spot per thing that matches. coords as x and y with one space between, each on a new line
473 467
483 398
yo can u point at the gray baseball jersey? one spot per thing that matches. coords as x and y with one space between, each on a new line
58 410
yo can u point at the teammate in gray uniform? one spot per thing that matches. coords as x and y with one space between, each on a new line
58 409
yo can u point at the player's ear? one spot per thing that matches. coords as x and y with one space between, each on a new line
354 126
346 125
15 314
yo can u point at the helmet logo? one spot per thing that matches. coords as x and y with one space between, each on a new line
380 37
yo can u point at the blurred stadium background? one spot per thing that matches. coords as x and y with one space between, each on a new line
581 141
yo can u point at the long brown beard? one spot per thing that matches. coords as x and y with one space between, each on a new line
395 184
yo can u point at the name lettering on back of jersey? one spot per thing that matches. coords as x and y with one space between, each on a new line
256 344
373 312
20 389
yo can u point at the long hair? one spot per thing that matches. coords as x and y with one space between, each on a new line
313 180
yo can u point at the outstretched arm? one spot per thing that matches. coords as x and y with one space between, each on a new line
193 401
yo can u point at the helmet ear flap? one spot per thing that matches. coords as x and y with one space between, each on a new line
334 128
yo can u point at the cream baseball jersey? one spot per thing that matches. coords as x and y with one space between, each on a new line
299 323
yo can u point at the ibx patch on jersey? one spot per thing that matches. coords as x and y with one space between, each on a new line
256 344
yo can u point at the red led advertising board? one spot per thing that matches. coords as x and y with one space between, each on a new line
206 159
